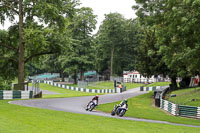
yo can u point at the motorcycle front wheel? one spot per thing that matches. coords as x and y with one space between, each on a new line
122 112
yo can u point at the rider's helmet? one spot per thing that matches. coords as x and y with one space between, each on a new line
125 100
97 96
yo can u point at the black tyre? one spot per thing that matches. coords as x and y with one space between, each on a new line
122 112
113 113
118 111
91 107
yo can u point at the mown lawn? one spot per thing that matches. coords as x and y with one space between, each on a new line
142 107
188 96
108 85
158 84
63 92
132 85
19 119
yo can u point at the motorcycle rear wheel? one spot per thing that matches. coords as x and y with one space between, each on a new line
113 113
91 107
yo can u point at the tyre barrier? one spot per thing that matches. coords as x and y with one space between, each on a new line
169 107
180 110
153 88
4 94
189 111
79 89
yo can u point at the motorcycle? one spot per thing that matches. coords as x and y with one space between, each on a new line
113 112
91 105
120 111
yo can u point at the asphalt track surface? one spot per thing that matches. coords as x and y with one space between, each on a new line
78 105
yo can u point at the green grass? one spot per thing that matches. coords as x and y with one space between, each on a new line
107 85
101 85
19 119
63 92
185 96
142 107
132 85
110 85
158 84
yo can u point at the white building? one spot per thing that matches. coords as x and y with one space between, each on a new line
136 77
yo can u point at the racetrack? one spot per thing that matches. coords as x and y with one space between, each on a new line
78 104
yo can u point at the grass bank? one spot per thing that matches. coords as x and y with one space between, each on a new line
108 85
63 92
188 96
158 84
142 107
19 119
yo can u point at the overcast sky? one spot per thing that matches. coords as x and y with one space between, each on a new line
101 7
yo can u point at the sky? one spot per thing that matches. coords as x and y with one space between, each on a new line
101 7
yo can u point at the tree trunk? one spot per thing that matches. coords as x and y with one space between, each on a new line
21 46
75 77
173 85
62 76
111 61
82 76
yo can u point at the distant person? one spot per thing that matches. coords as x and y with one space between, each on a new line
120 86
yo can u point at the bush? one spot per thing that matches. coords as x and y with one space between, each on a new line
5 84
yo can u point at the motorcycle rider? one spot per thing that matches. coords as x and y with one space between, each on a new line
124 102
95 100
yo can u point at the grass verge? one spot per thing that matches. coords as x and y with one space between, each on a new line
132 85
108 85
188 96
63 92
19 119
158 84
142 107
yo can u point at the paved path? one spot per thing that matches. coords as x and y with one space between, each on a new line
78 104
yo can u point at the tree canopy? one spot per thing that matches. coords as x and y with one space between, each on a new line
116 44
173 25
33 26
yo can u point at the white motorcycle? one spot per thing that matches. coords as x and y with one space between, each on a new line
91 105
120 111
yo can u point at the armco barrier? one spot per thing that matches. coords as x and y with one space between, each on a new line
79 89
4 94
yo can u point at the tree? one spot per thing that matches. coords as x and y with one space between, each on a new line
175 32
110 35
77 57
116 44
29 14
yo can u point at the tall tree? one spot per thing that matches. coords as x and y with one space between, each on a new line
111 34
116 44
77 57
30 13
176 33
